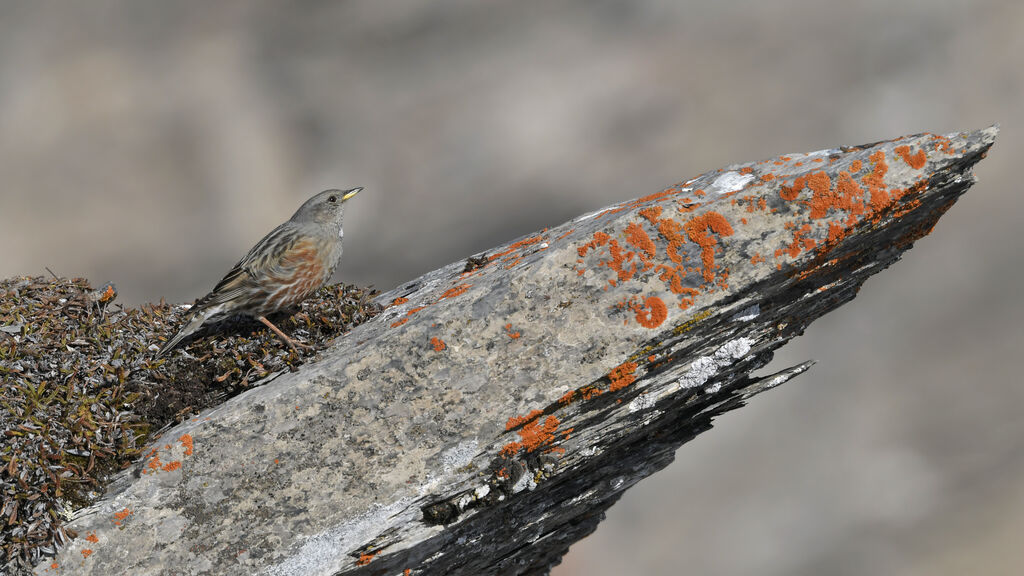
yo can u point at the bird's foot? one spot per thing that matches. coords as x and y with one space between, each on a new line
294 344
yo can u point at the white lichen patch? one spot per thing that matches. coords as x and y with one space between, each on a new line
459 456
730 182
641 402
703 368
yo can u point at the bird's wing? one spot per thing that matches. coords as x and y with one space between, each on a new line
244 276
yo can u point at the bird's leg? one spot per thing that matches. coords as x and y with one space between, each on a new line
293 343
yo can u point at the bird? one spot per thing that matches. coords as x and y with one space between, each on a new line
284 268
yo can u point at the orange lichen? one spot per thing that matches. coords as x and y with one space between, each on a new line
651 313
366 558
875 181
589 392
699 192
622 375
567 397
414 310
656 196
399 323
697 230
120 516
520 420
756 258
746 170
399 301
86 553
186 442
456 291
171 466
532 435
618 259
636 236
917 161
767 177
535 435
798 244
515 246
566 234
855 166
510 333
790 193
92 538
438 344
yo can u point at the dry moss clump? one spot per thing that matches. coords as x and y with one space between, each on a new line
81 392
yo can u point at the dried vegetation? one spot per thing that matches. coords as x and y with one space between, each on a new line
82 392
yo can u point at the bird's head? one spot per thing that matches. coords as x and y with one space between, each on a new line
326 207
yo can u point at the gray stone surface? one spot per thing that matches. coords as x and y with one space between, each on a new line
486 420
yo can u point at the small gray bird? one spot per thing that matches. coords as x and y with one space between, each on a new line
281 270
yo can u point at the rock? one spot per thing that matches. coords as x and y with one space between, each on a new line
486 420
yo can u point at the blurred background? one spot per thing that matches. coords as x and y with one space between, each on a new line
152 143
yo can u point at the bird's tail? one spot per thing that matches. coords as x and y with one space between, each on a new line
196 320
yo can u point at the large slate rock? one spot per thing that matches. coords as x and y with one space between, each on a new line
485 421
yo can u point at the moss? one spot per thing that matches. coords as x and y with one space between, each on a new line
82 391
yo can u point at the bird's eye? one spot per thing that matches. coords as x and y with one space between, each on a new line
332 198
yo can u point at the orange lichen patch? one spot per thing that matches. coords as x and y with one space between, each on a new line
520 420
855 166
534 435
697 230
120 516
567 398
414 310
942 144
510 333
622 375
456 291
589 392
798 244
819 182
699 192
86 553
636 236
767 177
438 344
186 443
92 538
656 196
399 323
875 181
515 246
171 466
618 259
399 301
670 230
652 358
756 258
789 193
651 312
566 234
366 558
407 572
916 161
746 170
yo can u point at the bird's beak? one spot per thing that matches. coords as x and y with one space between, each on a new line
352 193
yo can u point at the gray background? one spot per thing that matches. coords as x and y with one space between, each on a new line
153 143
